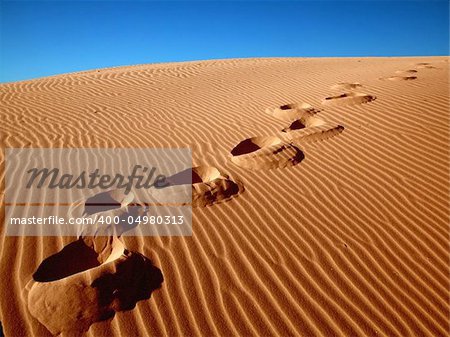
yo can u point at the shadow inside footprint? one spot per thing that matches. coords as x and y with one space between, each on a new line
290 106
296 125
254 144
72 259
106 201
408 71
122 292
399 78
304 123
246 146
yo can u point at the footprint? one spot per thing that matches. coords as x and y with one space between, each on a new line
113 203
346 86
399 78
424 65
310 129
292 111
88 281
349 98
209 185
314 134
265 153
409 71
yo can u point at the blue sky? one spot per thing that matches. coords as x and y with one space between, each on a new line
40 38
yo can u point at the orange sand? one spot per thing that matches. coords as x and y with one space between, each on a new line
340 225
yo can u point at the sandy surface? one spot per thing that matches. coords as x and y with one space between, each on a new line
339 226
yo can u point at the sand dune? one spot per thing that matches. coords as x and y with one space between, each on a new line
315 214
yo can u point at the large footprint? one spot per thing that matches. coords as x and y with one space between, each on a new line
89 280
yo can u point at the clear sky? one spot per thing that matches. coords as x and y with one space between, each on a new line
40 38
